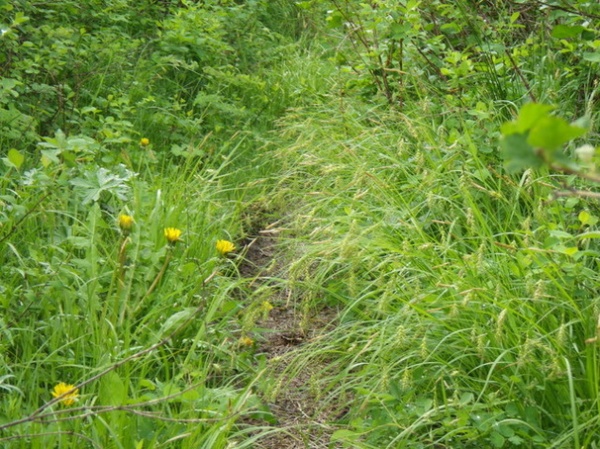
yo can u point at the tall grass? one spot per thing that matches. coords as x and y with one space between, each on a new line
464 317
466 297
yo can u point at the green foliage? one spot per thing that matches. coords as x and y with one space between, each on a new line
149 112
536 137
467 296
465 290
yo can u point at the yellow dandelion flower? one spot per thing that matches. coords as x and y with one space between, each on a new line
173 235
224 247
144 141
68 393
125 223
246 341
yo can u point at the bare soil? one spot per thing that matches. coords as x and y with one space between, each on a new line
303 416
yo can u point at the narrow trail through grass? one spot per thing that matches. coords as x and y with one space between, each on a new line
300 419
299 224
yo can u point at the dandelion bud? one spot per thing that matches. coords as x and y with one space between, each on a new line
246 341
266 306
125 222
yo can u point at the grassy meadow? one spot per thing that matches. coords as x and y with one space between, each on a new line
424 172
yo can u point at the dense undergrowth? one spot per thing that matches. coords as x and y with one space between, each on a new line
452 226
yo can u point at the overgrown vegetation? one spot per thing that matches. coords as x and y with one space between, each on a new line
434 168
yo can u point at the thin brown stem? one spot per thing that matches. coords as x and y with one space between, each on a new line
522 77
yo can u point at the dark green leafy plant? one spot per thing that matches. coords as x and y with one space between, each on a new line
537 138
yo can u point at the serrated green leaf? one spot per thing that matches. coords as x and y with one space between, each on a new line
516 440
505 430
497 440
94 183
50 156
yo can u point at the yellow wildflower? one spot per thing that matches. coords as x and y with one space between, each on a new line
224 247
172 235
246 341
144 141
125 223
266 306
67 393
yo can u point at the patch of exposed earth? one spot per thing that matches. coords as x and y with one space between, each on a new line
304 417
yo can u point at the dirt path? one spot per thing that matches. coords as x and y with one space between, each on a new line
303 417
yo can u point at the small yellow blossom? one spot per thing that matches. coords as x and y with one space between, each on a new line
266 306
246 341
172 235
67 393
125 223
224 247
144 141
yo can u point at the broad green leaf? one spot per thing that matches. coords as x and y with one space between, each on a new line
344 435
505 430
93 184
530 114
176 320
591 56
497 440
335 20
516 440
551 133
147 384
46 161
112 390
8 84
587 219
566 31
518 154
569 251
50 156
15 157
190 395
400 31
466 398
